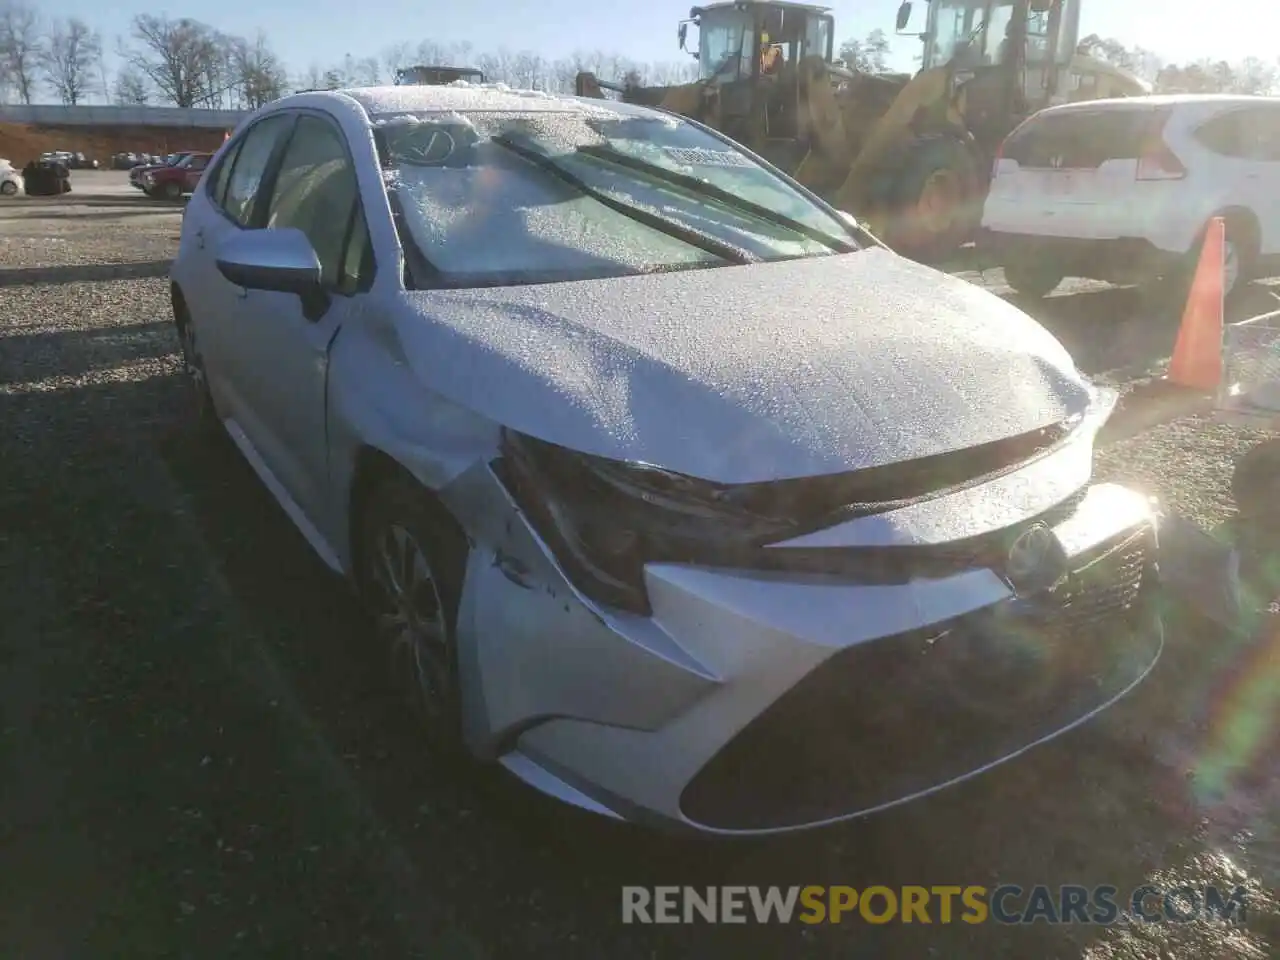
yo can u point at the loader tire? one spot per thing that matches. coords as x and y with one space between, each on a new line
936 202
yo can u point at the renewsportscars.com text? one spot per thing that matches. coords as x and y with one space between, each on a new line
1005 904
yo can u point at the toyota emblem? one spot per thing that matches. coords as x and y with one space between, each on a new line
1034 559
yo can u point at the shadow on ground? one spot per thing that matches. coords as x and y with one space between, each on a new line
123 200
1125 330
79 273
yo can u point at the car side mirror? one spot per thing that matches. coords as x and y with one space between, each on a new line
904 15
682 33
281 260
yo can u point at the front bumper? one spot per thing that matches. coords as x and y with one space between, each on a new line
756 702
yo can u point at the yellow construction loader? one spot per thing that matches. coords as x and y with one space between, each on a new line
909 155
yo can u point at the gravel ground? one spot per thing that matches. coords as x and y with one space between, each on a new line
200 758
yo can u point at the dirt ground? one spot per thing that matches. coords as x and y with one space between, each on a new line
200 756
20 142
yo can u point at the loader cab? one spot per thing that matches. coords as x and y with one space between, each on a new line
1007 58
748 54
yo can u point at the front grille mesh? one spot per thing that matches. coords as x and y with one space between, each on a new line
889 718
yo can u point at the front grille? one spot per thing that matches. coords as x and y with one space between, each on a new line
901 564
887 719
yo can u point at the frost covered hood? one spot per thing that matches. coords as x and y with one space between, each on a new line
749 373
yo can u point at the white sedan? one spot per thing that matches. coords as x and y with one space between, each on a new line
666 486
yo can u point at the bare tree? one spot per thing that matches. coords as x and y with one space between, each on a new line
130 88
69 59
868 55
313 79
20 47
368 71
259 75
179 58
397 57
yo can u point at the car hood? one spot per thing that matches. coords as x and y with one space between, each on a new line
749 373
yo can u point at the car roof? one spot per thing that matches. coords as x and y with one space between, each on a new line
1162 100
459 97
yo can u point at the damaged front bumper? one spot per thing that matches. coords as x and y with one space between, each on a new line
747 701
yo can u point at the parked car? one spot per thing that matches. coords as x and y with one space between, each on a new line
1122 190
123 161
142 168
174 182
10 180
664 485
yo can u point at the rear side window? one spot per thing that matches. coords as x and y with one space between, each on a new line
1082 139
1252 133
1221 135
251 164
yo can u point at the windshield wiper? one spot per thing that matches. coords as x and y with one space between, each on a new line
704 189
696 238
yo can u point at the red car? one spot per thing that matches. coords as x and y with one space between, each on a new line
172 183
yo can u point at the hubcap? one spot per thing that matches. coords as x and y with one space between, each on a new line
410 618
1230 267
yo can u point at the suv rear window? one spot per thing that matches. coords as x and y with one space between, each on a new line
1082 139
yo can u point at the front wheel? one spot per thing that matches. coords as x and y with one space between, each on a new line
1031 278
205 414
8 188
936 200
409 569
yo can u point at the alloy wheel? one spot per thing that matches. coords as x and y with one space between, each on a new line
1230 266
193 364
410 618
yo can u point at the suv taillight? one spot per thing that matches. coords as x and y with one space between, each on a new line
1156 161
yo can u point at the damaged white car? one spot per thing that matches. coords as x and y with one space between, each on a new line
667 487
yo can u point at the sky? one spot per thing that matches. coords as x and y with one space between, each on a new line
304 32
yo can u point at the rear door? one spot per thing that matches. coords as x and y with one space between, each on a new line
1072 173
1243 145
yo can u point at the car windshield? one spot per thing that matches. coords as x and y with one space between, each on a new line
491 198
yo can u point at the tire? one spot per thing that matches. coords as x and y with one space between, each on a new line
171 191
1241 259
204 412
933 201
1032 278
8 188
402 530
1255 484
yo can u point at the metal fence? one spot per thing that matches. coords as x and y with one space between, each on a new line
60 116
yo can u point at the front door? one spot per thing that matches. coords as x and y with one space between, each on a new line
281 344
215 214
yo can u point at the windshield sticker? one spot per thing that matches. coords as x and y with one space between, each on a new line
700 157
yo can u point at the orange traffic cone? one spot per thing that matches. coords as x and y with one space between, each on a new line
1197 355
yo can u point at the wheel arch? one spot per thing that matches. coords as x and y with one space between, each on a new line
181 314
1239 217
371 468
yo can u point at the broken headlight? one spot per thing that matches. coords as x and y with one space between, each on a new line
605 519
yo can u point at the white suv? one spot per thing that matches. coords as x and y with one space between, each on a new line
1121 190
